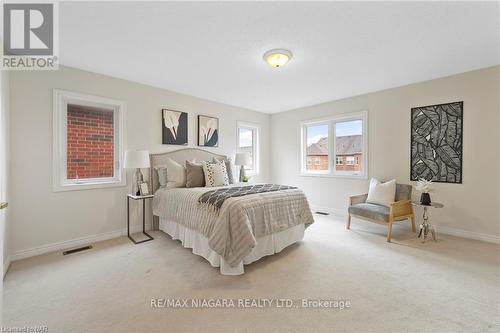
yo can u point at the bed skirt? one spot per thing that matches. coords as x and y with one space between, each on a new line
266 245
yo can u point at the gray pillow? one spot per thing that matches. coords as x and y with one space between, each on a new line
195 177
229 168
162 176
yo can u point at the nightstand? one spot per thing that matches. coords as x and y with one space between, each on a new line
143 198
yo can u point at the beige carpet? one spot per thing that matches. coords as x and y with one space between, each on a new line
449 286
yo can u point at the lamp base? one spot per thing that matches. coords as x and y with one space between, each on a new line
242 173
139 178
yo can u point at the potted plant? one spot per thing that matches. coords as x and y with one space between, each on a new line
424 186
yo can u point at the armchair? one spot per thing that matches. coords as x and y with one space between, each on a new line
399 210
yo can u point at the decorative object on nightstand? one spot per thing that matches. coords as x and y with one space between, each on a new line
425 228
137 159
143 198
424 186
242 159
144 188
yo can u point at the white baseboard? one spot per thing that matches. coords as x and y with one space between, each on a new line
35 251
6 264
444 230
137 228
468 234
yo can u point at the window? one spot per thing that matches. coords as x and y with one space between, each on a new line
248 140
339 142
87 147
316 136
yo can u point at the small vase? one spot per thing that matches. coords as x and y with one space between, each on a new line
425 199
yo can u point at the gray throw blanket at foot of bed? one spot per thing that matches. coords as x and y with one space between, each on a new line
217 197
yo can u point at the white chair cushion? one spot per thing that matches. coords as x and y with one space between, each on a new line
381 193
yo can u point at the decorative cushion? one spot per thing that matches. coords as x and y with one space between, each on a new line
381 193
176 174
229 167
403 192
215 174
371 211
162 176
195 177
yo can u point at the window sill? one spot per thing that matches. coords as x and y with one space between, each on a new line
87 186
329 175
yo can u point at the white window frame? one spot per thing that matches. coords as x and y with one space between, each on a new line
60 182
255 149
331 121
304 127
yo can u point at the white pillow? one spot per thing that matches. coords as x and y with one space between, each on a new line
215 174
176 174
381 193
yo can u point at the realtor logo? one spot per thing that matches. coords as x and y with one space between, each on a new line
29 31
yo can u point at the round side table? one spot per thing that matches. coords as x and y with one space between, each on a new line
425 228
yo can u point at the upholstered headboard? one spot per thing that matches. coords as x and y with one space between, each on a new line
180 156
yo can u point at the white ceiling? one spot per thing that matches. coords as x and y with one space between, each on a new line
214 50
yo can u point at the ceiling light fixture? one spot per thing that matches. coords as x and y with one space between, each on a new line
277 57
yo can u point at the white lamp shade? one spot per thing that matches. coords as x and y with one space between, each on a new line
136 159
243 159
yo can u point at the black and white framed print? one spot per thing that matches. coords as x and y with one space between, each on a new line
175 127
437 143
208 131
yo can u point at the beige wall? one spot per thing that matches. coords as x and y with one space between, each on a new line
471 209
42 217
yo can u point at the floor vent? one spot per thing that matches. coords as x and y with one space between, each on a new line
83 248
322 213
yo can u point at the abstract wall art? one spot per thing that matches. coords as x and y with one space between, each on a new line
437 143
175 127
208 131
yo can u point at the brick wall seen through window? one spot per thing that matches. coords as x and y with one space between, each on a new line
90 142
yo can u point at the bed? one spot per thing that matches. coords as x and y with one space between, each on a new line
237 230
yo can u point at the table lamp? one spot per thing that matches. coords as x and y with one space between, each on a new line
137 159
242 159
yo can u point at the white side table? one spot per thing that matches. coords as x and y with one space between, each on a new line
425 228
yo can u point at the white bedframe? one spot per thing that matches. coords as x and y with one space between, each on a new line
194 240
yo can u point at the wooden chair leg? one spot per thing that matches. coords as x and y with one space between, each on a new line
348 221
413 226
389 231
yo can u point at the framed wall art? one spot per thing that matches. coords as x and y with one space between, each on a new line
437 143
208 131
174 127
